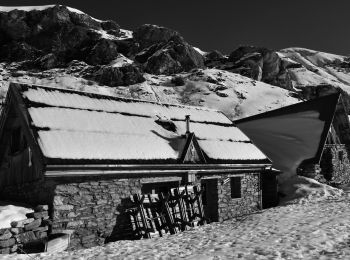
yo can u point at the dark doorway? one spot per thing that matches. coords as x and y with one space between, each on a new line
269 187
210 198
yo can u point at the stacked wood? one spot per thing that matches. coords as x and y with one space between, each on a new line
154 215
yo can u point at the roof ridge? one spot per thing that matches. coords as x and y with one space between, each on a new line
116 98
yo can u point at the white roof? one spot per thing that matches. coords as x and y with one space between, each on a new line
73 125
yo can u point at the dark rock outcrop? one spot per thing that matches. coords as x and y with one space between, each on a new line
164 51
58 31
214 56
118 76
257 63
103 52
148 34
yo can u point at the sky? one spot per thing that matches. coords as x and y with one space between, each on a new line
224 25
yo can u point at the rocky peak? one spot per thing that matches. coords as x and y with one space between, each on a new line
149 34
61 31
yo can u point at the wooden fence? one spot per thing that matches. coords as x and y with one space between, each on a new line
154 215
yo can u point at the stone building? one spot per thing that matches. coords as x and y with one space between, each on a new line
84 154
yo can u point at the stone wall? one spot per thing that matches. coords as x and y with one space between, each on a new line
335 164
220 206
250 197
24 233
91 206
94 208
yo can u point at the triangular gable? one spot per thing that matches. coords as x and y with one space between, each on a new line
293 134
14 119
192 153
332 137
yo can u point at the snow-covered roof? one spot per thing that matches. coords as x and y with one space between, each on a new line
79 126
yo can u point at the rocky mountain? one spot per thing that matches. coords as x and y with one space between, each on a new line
57 45
306 72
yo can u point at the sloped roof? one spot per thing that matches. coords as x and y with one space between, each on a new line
72 126
293 134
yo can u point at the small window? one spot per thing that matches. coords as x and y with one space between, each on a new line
236 187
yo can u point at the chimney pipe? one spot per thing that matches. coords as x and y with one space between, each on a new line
187 117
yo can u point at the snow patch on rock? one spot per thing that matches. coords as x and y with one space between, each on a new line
121 61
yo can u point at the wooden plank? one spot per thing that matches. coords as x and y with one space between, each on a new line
144 222
182 209
57 244
167 214
198 195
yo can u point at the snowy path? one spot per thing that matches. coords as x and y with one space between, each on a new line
317 230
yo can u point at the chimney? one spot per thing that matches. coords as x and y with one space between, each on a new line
187 117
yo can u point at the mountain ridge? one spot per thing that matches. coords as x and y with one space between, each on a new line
56 44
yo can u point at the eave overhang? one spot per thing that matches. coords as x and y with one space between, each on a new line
150 170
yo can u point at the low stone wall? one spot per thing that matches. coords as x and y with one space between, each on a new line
250 197
32 229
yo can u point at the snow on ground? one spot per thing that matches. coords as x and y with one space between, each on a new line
11 212
299 189
308 229
237 96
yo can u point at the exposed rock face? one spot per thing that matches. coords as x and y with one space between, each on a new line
164 51
174 57
257 63
103 52
59 31
48 61
161 62
214 56
118 76
148 34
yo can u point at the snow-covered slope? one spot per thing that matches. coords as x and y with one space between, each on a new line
237 96
318 68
